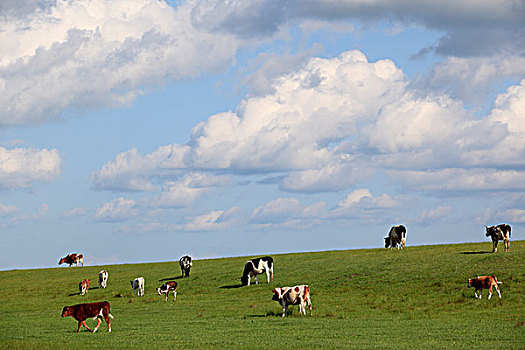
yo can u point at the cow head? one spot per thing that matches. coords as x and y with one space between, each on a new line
277 294
469 284
387 242
66 311
244 280
159 291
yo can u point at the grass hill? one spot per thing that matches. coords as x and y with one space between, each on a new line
374 298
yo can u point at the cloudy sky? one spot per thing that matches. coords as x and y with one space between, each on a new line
143 130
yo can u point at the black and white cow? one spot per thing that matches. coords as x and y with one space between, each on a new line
103 278
166 288
185 265
397 237
499 232
138 285
255 267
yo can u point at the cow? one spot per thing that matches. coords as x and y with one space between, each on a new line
397 237
103 278
138 285
498 233
166 288
185 265
298 295
71 259
484 282
81 312
255 267
83 286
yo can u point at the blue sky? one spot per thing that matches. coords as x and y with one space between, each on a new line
139 131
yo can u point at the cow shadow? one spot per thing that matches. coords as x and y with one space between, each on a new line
170 279
471 253
271 314
231 286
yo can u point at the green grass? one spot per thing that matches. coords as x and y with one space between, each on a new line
363 299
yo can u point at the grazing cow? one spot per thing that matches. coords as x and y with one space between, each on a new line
298 295
71 259
484 282
500 232
103 278
81 312
166 288
397 237
185 265
255 267
83 286
138 284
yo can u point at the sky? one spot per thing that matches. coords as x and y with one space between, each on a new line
144 130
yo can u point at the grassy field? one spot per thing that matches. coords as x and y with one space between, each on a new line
375 298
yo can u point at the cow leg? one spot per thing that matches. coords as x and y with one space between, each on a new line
174 295
507 245
98 324
268 275
256 280
84 324
495 246
166 299
285 309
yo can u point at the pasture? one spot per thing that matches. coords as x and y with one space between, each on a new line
363 299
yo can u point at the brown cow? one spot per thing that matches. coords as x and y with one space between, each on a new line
83 286
81 312
484 282
166 287
71 259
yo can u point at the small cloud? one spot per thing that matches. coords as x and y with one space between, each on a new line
119 209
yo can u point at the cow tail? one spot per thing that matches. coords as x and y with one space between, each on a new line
509 231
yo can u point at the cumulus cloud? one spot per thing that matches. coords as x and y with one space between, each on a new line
97 53
119 209
23 167
332 124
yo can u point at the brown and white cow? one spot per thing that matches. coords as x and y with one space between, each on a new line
298 295
71 259
499 232
484 282
166 288
83 286
81 312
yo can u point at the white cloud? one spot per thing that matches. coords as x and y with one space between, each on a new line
471 79
331 125
7 210
176 194
361 203
98 53
119 209
429 216
23 167
78 211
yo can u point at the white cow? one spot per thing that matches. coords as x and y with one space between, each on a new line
103 278
138 285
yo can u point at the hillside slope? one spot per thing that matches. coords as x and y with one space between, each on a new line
374 298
